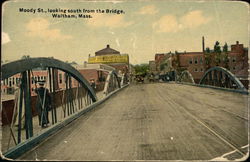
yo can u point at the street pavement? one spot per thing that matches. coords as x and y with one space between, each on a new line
163 121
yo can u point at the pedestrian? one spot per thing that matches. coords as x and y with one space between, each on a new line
92 84
43 104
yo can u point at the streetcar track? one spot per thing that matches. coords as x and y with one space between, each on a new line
232 145
211 106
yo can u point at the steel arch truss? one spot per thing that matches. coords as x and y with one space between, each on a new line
20 66
186 76
112 83
124 79
67 101
221 77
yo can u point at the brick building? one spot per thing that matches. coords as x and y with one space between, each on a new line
107 51
235 60
152 67
159 57
193 62
112 58
8 85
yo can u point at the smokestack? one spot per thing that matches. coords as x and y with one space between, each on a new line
203 44
85 64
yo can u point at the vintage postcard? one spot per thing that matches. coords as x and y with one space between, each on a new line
125 80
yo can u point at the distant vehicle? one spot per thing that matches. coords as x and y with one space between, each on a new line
151 78
139 79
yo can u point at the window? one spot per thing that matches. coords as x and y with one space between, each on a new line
233 59
195 70
190 61
234 68
201 69
60 78
196 60
201 60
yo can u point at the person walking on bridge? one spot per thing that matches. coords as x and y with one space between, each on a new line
43 104
92 84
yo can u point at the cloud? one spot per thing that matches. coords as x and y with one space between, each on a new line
167 23
194 19
40 27
148 10
170 23
5 38
111 21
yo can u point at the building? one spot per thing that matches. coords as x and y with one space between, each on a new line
107 51
197 63
112 58
193 62
152 67
8 85
97 72
158 59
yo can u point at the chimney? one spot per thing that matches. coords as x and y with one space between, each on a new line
203 44
108 46
85 64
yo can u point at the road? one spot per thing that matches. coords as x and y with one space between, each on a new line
155 122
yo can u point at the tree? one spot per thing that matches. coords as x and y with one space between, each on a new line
217 51
207 50
225 48
217 48
208 58
141 69
225 56
25 57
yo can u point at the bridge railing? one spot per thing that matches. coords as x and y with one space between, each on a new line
215 77
113 82
28 114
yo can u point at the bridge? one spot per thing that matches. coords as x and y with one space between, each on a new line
176 120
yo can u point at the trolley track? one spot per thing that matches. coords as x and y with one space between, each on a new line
145 122
200 121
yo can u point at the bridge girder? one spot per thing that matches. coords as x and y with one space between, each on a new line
219 76
23 65
186 74
112 75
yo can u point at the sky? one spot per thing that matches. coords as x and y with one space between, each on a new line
142 30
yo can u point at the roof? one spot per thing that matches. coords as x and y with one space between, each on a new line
106 51
192 53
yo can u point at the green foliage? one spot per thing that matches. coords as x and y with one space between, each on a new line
208 58
141 69
225 48
217 48
207 50
25 57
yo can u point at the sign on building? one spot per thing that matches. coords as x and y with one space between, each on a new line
105 59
